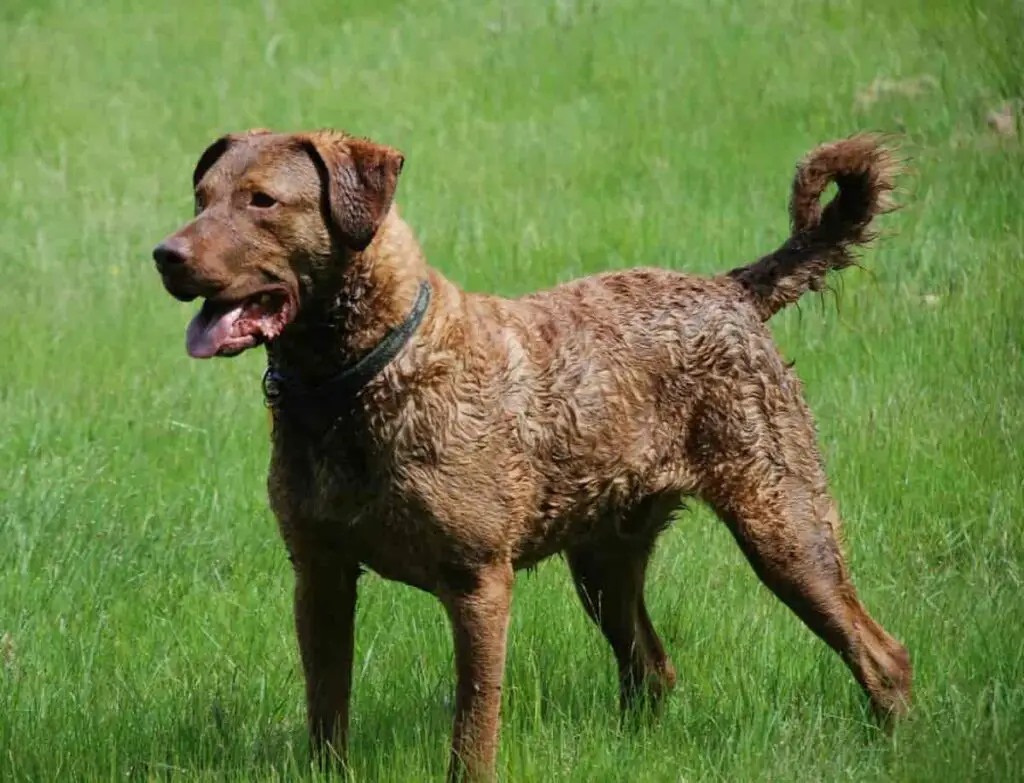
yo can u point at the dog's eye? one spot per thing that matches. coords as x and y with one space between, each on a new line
261 200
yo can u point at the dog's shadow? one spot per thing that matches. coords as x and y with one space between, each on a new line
224 739
388 740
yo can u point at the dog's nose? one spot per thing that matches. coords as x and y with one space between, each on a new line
169 254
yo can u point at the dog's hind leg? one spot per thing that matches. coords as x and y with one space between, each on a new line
609 576
787 525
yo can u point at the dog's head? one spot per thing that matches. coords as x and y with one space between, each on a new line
273 213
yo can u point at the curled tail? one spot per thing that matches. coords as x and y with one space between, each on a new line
822 239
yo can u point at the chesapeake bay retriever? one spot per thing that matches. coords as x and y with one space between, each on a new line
446 439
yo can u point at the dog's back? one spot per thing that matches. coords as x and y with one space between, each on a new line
621 383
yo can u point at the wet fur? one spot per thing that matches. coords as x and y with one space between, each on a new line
573 420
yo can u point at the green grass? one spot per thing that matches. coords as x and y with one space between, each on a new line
145 620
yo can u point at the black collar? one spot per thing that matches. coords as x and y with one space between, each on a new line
278 387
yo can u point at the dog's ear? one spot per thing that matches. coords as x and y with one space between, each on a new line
358 179
210 156
214 152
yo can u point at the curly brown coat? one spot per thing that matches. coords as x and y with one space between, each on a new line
572 420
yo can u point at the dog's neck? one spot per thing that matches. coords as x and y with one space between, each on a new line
372 292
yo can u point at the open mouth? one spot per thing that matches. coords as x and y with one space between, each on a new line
228 328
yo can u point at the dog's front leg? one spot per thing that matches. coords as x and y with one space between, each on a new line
325 603
478 605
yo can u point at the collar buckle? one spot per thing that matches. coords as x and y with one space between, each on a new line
271 388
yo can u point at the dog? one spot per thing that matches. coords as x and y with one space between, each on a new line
447 439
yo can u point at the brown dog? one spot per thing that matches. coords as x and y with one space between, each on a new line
446 439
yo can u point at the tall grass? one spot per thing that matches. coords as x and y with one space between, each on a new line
145 627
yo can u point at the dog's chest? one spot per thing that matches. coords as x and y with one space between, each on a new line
322 477
332 494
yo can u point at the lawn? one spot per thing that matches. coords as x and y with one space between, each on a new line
145 598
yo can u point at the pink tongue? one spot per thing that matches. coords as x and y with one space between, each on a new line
209 329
